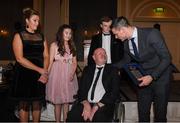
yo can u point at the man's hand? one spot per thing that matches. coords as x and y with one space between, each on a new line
93 111
145 80
95 108
86 110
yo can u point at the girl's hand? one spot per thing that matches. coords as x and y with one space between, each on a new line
43 78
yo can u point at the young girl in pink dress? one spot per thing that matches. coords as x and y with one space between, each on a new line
62 83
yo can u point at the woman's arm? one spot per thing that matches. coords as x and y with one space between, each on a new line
18 52
46 55
52 54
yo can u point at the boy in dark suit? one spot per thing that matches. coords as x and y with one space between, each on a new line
105 39
98 91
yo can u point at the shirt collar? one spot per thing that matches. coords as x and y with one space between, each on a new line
106 34
100 65
134 35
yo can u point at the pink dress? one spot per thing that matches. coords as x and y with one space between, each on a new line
59 88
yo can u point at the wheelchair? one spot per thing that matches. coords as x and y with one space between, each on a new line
119 112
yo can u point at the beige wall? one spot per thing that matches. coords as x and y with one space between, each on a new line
53 14
51 18
39 6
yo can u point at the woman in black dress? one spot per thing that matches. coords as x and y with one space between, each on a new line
32 59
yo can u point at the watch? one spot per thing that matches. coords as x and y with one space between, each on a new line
154 78
96 104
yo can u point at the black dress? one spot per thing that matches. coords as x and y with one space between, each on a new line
25 86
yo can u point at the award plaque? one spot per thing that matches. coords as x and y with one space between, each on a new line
134 71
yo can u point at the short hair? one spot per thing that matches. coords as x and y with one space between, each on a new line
121 22
105 19
99 49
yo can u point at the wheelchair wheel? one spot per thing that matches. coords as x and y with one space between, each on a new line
119 113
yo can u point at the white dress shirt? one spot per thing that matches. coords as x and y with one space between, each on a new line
99 90
106 44
135 36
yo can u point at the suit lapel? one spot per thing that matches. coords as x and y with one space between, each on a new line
140 41
126 46
112 49
105 73
91 74
100 40
112 39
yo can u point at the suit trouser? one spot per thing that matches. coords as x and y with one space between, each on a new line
157 92
103 114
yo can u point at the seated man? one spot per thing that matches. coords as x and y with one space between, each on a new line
98 91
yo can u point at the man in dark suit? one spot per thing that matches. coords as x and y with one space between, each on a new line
105 39
146 46
98 91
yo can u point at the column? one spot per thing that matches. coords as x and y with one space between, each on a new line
64 11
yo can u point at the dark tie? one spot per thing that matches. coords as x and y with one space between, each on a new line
106 34
95 82
134 48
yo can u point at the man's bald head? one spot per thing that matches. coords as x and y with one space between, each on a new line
100 56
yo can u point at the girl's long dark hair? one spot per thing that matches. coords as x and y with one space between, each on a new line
60 41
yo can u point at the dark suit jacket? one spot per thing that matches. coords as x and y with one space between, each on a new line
153 52
110 82
116 48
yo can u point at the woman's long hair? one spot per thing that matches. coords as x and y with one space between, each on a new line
60 41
